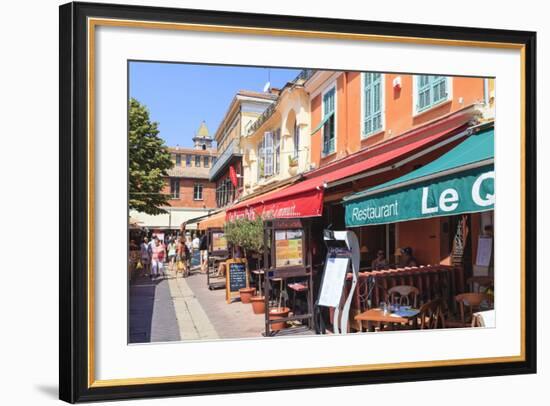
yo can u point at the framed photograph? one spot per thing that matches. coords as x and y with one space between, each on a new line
401 157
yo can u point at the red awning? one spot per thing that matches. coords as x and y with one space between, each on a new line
305 198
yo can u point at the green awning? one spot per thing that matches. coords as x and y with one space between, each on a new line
322 123
460 181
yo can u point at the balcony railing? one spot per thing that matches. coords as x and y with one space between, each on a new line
233 149
302 77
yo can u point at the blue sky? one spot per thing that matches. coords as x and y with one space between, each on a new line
180 96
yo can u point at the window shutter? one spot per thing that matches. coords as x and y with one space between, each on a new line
372 120
439 86
424 92
296 140
268 153
277 148
329 121
260 159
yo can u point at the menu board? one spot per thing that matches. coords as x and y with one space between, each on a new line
333 281
237 276
288 248
219 242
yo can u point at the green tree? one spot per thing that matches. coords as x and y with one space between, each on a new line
149 161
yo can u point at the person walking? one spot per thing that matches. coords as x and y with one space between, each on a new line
171 254
157 258
203 248
181 265
145 255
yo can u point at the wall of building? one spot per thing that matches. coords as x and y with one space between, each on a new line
292 108
186 194
211 153
224 178
399 114
423 237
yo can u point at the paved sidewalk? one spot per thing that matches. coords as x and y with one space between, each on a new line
152 314
235 320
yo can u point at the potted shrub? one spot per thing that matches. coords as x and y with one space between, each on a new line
280 311
246 294
292 165
249 235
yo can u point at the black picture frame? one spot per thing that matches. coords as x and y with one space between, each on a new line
74 385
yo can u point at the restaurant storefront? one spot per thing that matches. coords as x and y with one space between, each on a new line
443 212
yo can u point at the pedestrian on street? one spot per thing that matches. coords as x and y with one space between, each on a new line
157 258
145 254
181 265
171 254
203 247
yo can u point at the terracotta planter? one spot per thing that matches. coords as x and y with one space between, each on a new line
258 304
246 294
278 313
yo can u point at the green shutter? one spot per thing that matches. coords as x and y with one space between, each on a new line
439 89
372 119
322 123
424 92
431 90
328 122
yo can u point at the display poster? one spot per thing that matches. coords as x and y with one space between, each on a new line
333 281
219 242
484 251
288 248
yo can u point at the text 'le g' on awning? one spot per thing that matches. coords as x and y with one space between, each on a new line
460 181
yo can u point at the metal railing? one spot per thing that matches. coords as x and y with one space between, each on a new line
232 149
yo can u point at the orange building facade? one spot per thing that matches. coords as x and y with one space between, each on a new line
399 109
354 112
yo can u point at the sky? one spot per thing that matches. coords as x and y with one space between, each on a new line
180 96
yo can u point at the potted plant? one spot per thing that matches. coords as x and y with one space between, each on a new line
246 294
292 165
248 234
280 311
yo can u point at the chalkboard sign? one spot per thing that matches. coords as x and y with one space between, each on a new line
236 277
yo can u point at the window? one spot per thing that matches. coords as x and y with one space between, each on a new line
329 133
178 159
260 159
197 161
188 160
268 154
230 190
213 160
277 151
206 161
175 188
430 90
296 140
372 104
197 191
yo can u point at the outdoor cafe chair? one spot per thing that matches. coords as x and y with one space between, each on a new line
469 303
431 314
402 294
479 283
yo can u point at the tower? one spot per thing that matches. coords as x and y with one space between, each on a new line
202 139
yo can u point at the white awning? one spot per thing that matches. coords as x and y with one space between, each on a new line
171 220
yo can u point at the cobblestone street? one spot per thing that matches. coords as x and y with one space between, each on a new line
173 309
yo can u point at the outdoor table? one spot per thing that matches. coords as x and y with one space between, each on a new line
377 315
